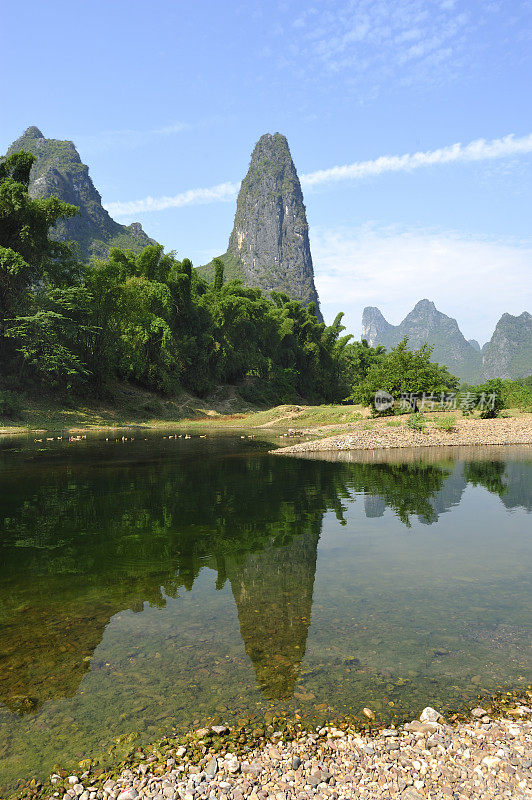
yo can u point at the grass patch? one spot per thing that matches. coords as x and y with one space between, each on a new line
447 422
298 416
394 423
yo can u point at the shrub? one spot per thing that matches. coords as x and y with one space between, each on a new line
10 405
517 394
487 397
417 422
446 422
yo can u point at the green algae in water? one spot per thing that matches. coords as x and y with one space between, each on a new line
149 584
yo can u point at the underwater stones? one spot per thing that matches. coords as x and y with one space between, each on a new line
219 729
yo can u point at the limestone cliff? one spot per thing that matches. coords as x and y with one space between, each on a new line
508 354
269 246
59 171
426 324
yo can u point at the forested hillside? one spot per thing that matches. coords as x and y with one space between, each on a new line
148 318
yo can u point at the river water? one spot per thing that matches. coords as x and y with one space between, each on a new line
164 582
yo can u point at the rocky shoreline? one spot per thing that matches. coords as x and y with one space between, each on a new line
380 434
487 753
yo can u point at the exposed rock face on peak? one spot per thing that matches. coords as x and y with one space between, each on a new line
374 327
426 324
508 354
269 246
33 132
58 171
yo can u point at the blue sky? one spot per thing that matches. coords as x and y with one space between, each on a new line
166 98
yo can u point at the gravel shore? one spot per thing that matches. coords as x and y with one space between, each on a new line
378 434
483 756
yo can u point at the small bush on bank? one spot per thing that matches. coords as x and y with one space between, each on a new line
417 422
487 398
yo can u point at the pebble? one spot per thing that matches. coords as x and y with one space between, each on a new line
420 760
212 767
499 431
429 715
128 794
233 766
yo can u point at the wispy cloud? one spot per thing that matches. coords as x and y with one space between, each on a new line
220 193
393 268
364 48
127 138
478 150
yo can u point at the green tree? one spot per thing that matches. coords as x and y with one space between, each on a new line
28 258
404 371
27 254
218 274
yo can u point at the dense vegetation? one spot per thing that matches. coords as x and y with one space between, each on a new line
148 318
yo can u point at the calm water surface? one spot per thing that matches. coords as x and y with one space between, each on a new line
163 582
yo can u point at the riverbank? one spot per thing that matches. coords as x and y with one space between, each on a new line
386 433
223 410
127 407
486 753
326 427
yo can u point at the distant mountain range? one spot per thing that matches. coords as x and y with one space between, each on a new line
269 246
58 171
508 354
